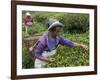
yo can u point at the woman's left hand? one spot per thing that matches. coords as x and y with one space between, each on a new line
84 47
81 46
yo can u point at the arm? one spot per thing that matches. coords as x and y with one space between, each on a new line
45 59
66 42
71 44
80 46
25 21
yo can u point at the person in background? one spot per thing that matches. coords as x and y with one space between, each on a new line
28 22
46 46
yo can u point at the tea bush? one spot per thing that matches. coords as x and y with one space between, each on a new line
76 28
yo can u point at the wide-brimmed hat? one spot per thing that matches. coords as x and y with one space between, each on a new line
54 23
28 14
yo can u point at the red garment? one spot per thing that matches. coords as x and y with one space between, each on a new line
28 21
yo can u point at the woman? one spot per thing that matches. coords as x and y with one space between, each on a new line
47 44
28 22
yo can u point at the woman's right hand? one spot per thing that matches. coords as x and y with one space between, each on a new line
46 59
52 60
30 49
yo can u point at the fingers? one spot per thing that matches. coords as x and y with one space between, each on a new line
85 47
31 48
52 60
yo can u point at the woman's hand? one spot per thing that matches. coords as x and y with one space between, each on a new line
31 49
52 60
81 46
46 59
84 47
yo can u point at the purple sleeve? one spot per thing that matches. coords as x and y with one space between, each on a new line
66 42
39 49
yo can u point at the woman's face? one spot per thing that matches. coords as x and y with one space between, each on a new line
28 16
57 31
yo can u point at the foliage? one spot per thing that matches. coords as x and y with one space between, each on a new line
26 60
76 29
66 56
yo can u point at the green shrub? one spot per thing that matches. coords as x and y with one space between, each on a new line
74 23
26 60
70 57
65 56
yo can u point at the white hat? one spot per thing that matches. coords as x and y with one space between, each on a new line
53 23
28 14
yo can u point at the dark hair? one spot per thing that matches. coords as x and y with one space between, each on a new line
54 28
